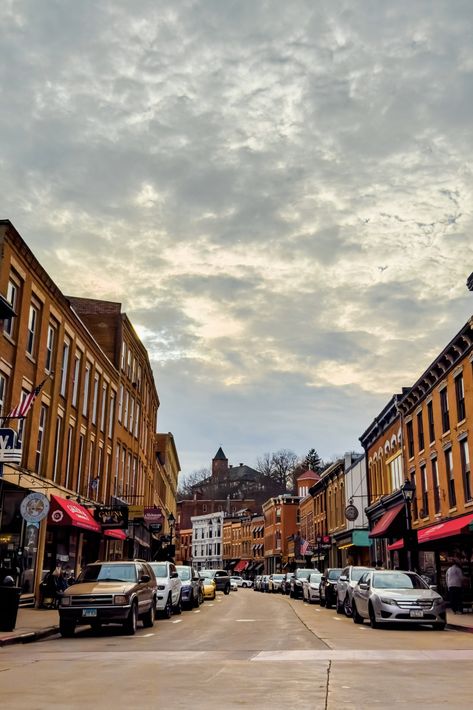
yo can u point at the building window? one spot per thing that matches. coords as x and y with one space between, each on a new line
64 366
57 449
111 415
444 410
89 468
137 420
125 414
452 497
21 422
75 380
132 412
12 298
410 439
94 400
50 341
460 397
120 404
80 461
430 416
85 403
40 441
466 474
69 455
415 507
425 495
32 328
123 356
104 403
3 394
420 431
436 485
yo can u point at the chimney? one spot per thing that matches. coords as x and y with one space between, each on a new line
240 464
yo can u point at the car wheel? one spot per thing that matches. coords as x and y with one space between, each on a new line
373 623
200 599
322 602
67 628
148 618
340 609
347 606
167 611
132 622
356 617
244 585
227 590
178 608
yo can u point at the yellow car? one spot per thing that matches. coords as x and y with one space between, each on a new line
210 588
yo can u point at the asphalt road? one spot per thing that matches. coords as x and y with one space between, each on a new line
247 649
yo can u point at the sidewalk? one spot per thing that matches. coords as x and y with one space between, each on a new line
31 625
460 622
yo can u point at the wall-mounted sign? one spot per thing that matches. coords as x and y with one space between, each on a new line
351 512
10 452
112 516
153 516
34 507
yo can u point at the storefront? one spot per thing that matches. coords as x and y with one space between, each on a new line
353 548
18 539
115 544
388 522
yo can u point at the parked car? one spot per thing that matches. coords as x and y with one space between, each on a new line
311 588
257 583
297 579
265 583
209 587
275 581
240 582
347 582
233 585
395 596
328 587
286 583
110 593
222 580
168 597
192 593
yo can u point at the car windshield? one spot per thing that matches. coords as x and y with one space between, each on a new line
315 578
334 574
109 573
160 569
303 573
356 574
278 577
398 580
184 573
206 573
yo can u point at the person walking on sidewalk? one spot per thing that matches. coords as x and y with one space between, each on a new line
455 581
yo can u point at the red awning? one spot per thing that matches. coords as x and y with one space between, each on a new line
384 523
242 565
458 526
68 512
117 534
398 545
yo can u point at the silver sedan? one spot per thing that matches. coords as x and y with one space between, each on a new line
394 596
311 588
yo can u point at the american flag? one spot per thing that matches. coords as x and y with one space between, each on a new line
304 547
22 409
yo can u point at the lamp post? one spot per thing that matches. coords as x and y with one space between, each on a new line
408 490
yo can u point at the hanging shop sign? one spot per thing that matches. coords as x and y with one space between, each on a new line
10 452
153 516
351 512
112 516
136 512
34 507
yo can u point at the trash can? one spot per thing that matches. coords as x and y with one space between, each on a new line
9 602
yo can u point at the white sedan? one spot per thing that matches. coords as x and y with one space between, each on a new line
311 588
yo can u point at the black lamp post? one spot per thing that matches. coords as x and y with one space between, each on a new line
408 490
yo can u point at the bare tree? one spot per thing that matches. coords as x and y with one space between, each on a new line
265 465
187 483
284 462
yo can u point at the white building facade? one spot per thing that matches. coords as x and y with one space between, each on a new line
207 546
354 542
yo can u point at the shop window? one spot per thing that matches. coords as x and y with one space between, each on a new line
444 410
466 474
460 397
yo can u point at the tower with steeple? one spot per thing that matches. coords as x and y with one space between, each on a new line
219 466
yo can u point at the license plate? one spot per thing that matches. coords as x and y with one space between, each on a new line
89 612
417 613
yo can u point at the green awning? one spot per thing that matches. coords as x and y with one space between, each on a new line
360 538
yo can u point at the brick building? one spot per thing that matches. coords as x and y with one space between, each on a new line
280 524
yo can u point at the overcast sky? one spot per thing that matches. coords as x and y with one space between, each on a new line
279 193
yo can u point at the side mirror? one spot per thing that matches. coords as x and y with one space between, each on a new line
363 585
174 575
343 578
144 579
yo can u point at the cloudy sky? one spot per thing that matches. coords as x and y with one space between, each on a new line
279 193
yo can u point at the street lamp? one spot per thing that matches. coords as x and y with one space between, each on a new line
408 490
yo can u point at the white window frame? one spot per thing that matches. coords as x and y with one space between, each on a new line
65 366
33 316
76 378
95 397
50 340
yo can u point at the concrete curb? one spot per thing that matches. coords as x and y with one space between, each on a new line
29 636
459 627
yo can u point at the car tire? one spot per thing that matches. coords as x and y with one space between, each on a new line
131 623
200 599
67 628
148 618
244 585
373 623
347 607
178 608
355 616
227 590
167 611
322 602
340 609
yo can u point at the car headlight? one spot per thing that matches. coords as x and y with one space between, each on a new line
299 583
391 602
314 586
66 601
120 599
161 587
